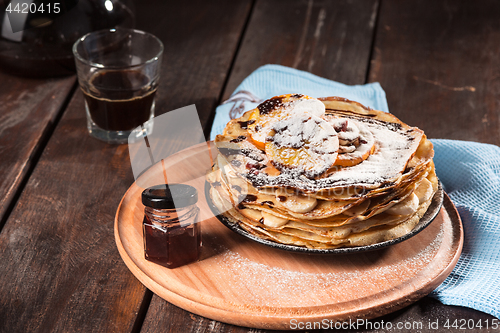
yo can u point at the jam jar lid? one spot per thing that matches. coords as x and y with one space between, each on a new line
163 196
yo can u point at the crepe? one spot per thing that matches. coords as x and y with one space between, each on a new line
322 173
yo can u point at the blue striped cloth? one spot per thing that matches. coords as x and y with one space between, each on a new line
469 171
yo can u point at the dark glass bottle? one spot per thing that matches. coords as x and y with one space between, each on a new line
36 37
172 236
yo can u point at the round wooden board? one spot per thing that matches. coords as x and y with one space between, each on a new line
245 283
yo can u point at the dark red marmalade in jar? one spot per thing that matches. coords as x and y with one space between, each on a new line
172 236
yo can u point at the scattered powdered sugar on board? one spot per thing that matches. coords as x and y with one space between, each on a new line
264 285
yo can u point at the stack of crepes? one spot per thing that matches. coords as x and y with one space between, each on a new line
322 173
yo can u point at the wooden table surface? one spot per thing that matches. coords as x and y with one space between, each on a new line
60 271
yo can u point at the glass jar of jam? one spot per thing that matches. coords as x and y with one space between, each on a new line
172 236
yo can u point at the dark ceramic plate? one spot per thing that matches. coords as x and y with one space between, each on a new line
428 217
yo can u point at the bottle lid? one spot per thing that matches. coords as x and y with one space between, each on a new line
169 196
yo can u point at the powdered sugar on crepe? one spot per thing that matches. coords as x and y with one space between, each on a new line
394 146
297 131
304 143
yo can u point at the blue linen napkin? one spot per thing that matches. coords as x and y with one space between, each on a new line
469 172
273 80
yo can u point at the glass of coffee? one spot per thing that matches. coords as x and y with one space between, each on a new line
118 72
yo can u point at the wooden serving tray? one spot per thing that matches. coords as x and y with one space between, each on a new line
245 283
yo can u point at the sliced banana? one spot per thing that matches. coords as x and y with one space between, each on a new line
222 205
278 108
347 131
252 214
356 141
309 105
273 221
406 207
358 209
303 143
226 170
297 203
424 190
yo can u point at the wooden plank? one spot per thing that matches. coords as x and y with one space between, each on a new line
329 39
60 268
438 63
166 319
28 110
200 32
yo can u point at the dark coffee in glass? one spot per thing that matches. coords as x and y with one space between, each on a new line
118 72
120 100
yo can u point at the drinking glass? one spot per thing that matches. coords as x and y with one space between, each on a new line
118 72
